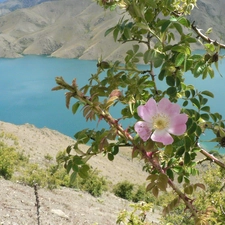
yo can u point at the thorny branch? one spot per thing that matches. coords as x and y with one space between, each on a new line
74 92
204 37
211 157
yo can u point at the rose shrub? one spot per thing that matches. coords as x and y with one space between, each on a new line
168 122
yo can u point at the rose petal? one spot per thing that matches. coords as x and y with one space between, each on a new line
178 124
148 110
168 108
162 136
143 130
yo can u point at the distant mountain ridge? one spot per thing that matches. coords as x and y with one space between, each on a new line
12 5
75 29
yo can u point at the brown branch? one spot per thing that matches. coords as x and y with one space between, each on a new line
211 157
204 37
124 134
187 201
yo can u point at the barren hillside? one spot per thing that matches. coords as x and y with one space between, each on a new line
63 206
75 29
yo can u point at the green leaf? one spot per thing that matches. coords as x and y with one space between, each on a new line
189 189
211 71
173 19
68 149
168 150
75 107
205 73
170 174
110 156
199 68
162 75
109 30
187 158
187 142
162 186
73 177
181 49
115 34
179 59
110 102
180 151
188 64
200 185
153 177
187 94
184 21
150 186
155 191
147 56
178 28
213 117
75 168
165 25
115 150
77 160
219 117
135 48
170 80
69 166
209 30
83 171
198 131
185 103
171 91
142 26
180 179
208 93
196 102
206 108
127 33
217 68
189 39
193 92
193 128
205 116
158 61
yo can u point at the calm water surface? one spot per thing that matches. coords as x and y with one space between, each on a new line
26 95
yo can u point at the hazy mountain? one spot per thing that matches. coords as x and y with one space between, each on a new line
211 14
7 6
75 28
65 28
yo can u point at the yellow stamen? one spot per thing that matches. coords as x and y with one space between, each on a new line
160 122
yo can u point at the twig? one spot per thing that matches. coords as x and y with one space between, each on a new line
211 157
37 204
204 37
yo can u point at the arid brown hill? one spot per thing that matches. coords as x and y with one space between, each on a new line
75 29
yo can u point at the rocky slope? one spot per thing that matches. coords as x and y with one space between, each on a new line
63 206
75 29
68 28
36 143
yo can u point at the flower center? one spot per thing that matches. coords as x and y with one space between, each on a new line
160 122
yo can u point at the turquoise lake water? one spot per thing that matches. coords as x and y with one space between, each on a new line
26 95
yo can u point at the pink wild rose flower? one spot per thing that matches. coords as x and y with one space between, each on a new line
160 120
